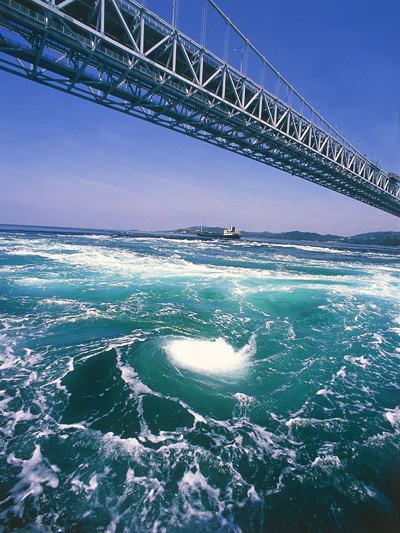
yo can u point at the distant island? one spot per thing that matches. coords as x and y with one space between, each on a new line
382 238
379 238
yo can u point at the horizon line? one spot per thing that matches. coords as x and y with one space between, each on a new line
186 228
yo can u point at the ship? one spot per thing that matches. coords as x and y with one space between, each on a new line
230 232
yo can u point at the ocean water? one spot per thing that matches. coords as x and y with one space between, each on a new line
167 385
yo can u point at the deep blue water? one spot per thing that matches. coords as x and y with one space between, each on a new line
154 384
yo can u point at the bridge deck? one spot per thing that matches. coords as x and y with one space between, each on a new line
120 55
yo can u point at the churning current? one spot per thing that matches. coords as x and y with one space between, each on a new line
167 385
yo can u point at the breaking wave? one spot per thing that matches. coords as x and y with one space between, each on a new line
209 356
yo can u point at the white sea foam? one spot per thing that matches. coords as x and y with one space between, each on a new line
131 379
323 392
358 361
378 339
209 356
35 474
396 329
195 481
55 301
242 398
341 373
327 462
129 263
305 247
72 426
299 421
393 415
113 443
197 417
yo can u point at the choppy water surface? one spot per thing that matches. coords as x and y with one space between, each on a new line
170 385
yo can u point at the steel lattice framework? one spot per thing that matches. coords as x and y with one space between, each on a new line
119 54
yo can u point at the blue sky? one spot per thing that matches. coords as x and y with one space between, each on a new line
68 162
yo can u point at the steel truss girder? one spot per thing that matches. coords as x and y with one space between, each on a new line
118 54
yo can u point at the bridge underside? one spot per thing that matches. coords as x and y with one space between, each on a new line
165 82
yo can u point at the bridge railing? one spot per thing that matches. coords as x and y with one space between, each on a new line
180 52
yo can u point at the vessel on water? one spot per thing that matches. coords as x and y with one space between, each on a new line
230 232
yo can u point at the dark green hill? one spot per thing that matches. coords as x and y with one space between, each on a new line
386 238
383 238
295 236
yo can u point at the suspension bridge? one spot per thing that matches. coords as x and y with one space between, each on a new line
122 55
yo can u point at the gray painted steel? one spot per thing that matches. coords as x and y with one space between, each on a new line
120 55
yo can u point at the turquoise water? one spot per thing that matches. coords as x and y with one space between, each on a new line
154 384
